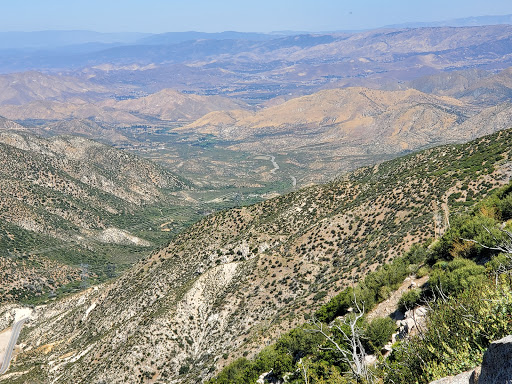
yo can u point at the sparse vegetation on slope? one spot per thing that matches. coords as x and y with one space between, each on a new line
469 307
237 279
59 199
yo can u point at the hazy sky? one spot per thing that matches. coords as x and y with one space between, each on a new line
240 15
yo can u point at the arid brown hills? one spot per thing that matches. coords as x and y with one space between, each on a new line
490 90
6 124
349 114
164 85
325 133
80 164
23 88
349 126
174 106
164 105
72 109
242 277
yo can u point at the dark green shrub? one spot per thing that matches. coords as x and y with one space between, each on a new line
320 295
409 299
378 333
184 369
337 306
456 276
239 371
298 343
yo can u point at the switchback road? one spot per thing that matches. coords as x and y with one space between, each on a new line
16 329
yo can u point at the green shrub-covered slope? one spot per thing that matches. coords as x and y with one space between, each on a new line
469 298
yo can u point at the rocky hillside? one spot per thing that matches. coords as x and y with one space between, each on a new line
62 197
239 278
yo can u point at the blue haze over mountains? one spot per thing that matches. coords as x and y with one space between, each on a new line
52 39
55 50
463 22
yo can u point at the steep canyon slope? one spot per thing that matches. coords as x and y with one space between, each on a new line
240 277
62 198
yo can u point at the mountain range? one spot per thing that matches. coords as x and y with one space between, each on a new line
69 39
160 199
346 127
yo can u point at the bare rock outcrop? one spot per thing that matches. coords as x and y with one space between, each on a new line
469 377
496 367
497 363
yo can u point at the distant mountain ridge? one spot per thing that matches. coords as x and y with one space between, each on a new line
350 126
474 21
51 39
57 38
180 37
177 48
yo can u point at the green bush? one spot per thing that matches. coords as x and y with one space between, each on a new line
298 343
457 332
337 306
281 358
378 333
499 205
239 371
320 295
423 271
184 369
385 292
498 264
409 299
457 276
